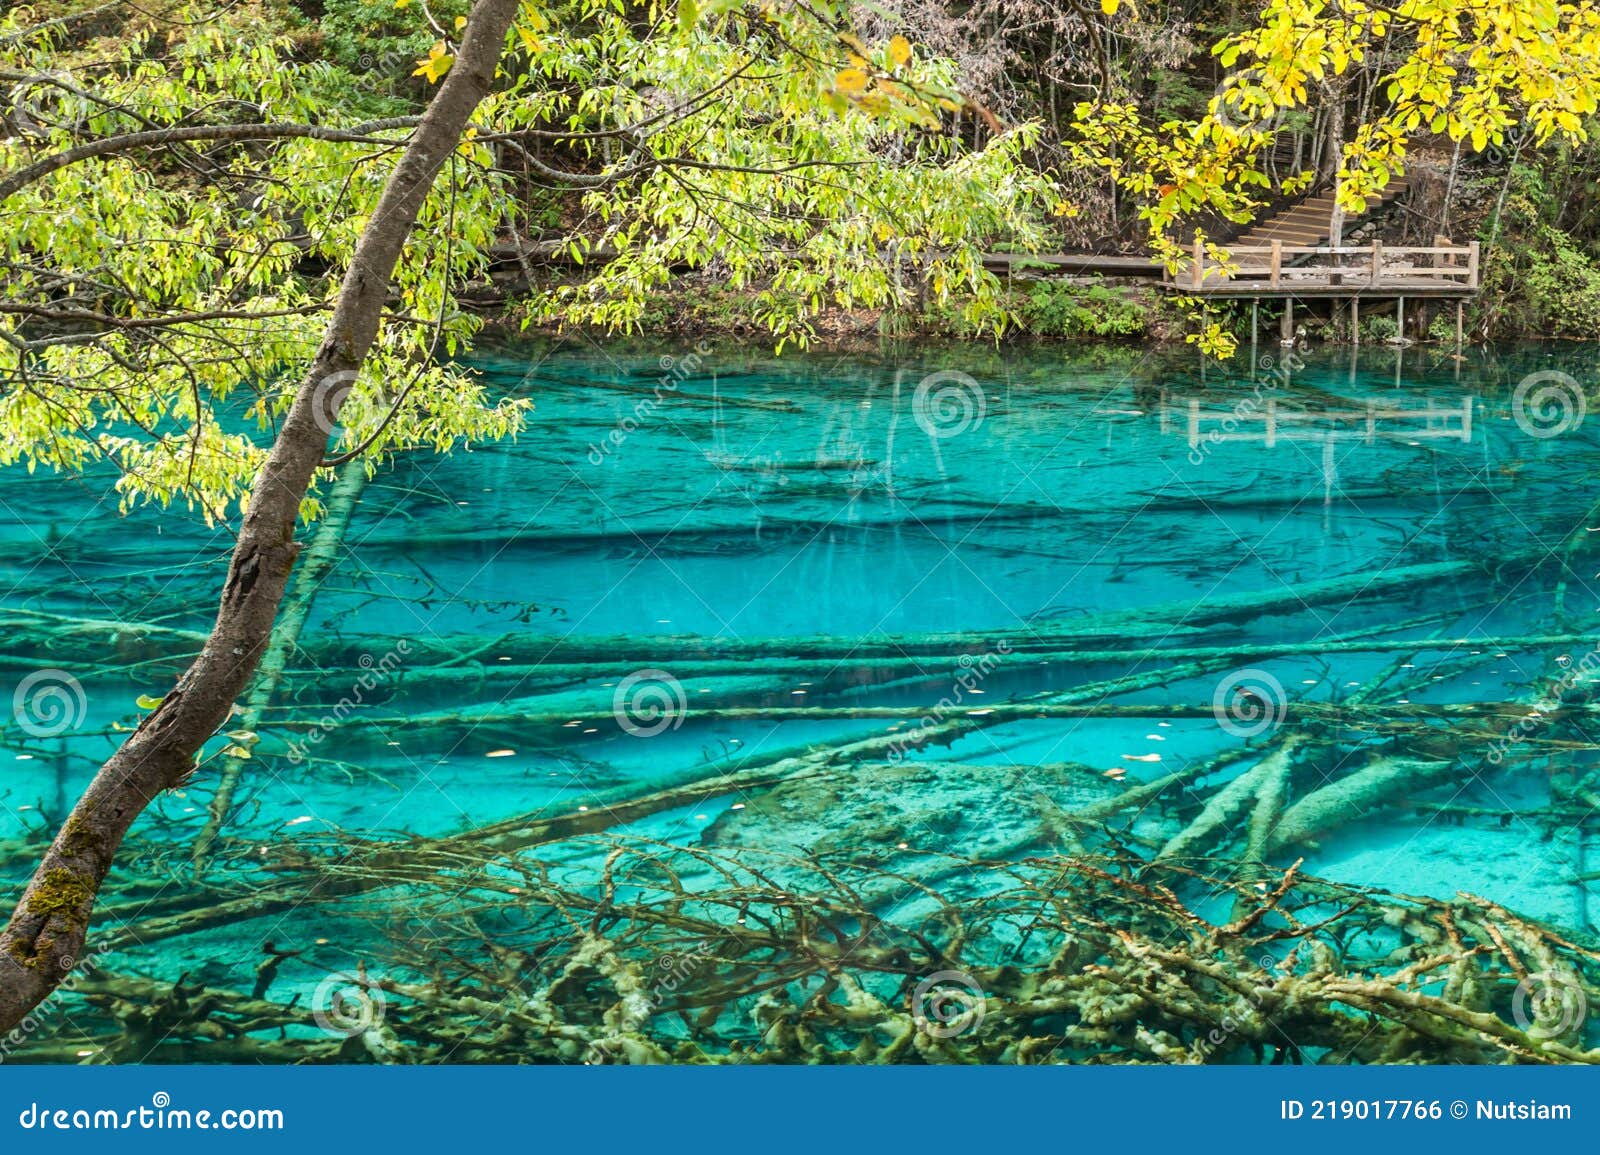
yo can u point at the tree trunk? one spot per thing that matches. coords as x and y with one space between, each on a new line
45 937
1333 159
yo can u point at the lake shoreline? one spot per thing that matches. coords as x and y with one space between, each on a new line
1076 311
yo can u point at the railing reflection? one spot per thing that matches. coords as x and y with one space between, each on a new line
1271 423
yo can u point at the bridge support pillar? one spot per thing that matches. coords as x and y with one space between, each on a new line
1286 334
1355 320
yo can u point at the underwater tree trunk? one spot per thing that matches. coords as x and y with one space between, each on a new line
45 937
319 559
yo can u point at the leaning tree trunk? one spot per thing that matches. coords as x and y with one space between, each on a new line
46 934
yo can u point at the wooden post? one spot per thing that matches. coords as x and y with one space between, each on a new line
1377 262
1286 333
1277 262
1472 265
1197 266
1255 324
1399 319
1355 320
1461 308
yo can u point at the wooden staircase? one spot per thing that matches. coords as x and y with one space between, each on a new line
1305 223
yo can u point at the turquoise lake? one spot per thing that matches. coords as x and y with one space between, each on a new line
694 562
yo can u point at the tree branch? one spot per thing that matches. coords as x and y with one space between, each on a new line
46 934
177 134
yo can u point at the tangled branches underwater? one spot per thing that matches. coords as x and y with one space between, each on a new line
672 954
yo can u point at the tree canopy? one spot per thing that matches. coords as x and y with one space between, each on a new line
181 199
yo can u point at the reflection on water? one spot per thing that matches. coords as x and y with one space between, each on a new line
1338 605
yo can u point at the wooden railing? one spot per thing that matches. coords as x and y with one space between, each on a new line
1355 266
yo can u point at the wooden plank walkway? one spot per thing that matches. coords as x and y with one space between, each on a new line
1277 271
1081 264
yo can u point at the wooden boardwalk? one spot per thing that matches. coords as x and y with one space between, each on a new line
1348 273
1277 270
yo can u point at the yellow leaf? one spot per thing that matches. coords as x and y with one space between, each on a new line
899 50
436 64
1109 7
461 22
851 82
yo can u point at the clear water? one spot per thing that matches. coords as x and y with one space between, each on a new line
696 516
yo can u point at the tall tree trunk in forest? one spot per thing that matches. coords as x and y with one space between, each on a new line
1333 156
45 936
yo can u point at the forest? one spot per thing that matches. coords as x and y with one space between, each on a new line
799 532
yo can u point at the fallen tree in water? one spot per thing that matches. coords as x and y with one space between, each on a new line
667 954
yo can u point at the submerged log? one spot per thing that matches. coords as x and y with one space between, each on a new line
1384 719
1379 783
89 641
1214 821
315 562
923 666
